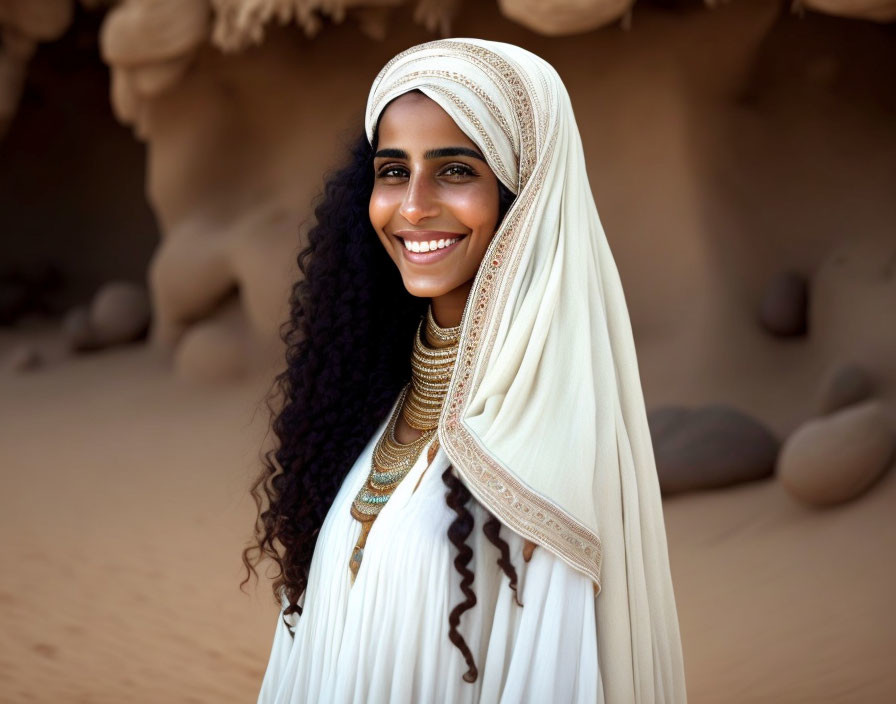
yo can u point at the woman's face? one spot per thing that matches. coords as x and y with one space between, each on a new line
434 203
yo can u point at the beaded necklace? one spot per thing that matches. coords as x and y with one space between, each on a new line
420 403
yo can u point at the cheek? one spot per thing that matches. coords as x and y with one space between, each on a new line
477 208
378 209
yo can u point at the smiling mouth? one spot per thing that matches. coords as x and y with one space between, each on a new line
430 245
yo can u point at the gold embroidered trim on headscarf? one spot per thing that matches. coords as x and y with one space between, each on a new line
522 509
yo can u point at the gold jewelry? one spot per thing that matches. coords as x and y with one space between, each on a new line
431 368
420 404
434 332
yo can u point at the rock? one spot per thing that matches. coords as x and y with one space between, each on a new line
78 332
709 447
123 95
153 79
663 421
845 385
137 32
784 307
835 458
119 313
873 10
215 349
209 354
558 17
24 358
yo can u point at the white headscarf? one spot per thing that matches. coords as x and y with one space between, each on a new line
544 418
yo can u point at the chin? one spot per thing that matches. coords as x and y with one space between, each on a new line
427 289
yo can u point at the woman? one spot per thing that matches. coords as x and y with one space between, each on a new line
464 505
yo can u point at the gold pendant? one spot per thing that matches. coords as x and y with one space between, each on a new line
354 564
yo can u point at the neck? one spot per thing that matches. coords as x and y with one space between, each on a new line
448 308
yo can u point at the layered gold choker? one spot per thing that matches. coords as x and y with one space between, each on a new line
420 404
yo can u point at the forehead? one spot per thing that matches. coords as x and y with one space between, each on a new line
414 119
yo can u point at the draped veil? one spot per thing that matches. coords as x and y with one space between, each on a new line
545 419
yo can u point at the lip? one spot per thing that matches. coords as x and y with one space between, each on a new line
426 236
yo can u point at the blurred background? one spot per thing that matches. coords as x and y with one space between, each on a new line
158 165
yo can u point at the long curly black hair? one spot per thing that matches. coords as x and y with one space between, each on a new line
348 348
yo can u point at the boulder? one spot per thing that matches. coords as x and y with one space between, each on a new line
837 457
709 447
78 332
214 350
784 307
119 313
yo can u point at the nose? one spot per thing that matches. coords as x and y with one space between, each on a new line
419 200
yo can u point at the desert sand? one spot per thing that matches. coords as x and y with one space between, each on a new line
124 511
125 507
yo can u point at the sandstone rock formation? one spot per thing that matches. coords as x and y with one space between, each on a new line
149 44
874 10
218 90
558 17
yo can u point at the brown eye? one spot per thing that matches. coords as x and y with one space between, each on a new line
459 170
391 172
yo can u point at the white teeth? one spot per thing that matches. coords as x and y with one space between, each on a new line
430 246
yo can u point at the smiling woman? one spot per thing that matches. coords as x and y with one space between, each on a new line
461 401
435 202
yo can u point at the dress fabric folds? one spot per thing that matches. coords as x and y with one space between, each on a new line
385 638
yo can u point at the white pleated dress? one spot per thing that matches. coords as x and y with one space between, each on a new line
385 637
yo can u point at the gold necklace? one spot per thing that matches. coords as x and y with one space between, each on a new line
431 368
420 403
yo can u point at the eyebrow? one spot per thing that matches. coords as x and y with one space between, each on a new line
431 153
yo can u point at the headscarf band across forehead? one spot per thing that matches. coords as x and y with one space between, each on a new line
544 419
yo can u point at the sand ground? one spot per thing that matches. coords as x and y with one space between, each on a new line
124 509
